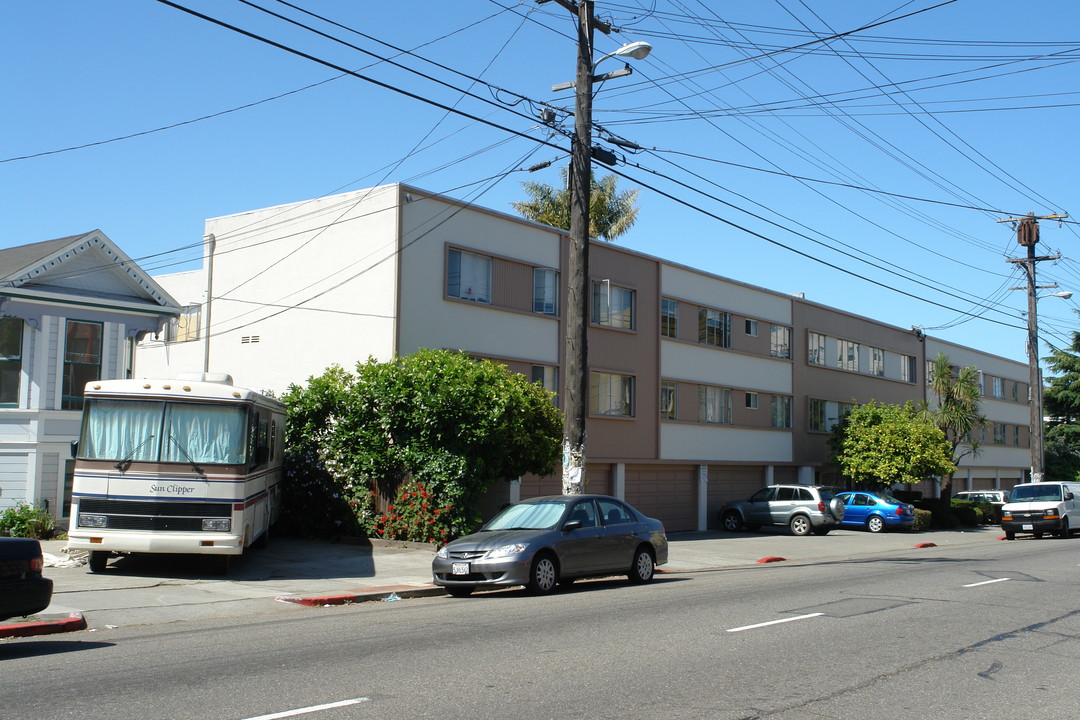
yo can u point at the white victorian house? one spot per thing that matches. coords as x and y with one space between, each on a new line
71 311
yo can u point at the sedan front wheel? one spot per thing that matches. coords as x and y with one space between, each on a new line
543 576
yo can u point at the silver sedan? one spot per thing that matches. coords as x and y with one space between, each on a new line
544 541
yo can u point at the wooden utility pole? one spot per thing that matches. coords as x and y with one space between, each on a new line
1027 235
576 378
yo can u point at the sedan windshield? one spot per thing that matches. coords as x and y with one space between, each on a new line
528 516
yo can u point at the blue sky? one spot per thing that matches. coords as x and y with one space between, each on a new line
867 171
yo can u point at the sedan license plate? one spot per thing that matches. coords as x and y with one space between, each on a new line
460 569
1027 527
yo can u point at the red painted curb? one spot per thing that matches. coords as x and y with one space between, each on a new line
926 545
772 559
401 591
74 621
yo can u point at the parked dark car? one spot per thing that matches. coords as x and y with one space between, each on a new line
802 508
875 512
544 541
23 589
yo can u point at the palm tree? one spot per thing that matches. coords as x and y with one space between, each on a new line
957 411
611 213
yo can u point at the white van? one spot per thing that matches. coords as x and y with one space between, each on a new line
1040 508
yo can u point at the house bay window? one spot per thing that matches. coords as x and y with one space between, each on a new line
82 361
468 276
11 330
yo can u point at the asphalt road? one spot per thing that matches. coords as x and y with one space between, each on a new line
975 631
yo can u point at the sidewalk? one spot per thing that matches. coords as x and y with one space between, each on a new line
295 574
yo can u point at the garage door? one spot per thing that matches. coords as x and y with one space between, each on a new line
665 492
728 483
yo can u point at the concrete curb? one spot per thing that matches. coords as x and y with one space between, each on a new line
74 621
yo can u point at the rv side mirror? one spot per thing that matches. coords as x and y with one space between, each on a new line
1068 495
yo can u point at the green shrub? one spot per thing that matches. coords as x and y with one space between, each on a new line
941 515
28 521
988 513
966 514
922 519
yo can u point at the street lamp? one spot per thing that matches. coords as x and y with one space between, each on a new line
576 386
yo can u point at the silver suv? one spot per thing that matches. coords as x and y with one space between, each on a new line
803 508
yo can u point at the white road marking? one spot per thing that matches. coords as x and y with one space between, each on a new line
986 582
774 622
313 708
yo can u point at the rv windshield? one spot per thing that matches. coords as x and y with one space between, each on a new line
155 431
1032 493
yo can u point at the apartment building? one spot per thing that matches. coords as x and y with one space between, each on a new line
702 388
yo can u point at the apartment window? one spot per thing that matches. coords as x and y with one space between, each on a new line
929 371
999 387
548 377
751 328
714 327
468 276
999 434
714 404
669 394
611 394
752 401
816 350
877 362
82 361
907 368
1015 391
185 327
780 341
1016 435
669 318
781 411
816 420
612 306
848 357
545 291
11 331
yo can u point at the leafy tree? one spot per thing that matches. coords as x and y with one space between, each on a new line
611 213
1061 403
957 411
428 433
879 445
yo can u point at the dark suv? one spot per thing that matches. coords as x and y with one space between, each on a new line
23 590
803 508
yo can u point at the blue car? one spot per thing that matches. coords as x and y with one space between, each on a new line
875 512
